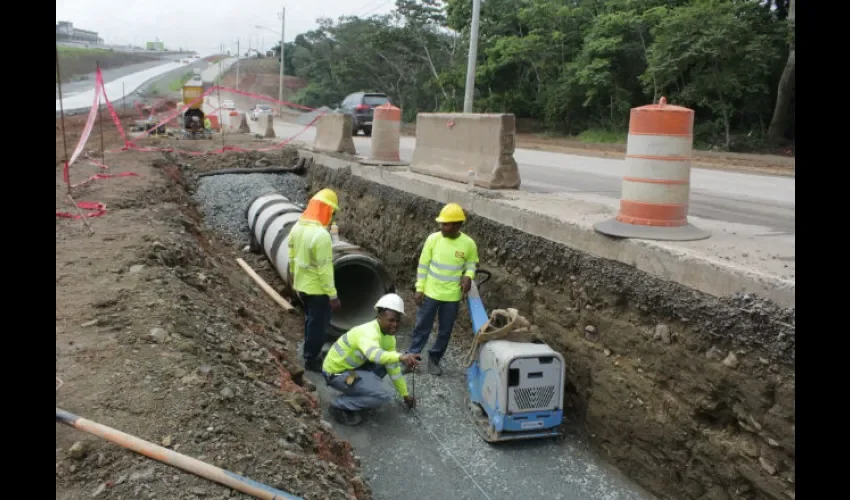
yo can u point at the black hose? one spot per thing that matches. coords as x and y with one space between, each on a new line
485 273
264 170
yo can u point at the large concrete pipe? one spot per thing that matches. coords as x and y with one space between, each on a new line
361 279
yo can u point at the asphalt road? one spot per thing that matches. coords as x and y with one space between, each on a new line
766 202
125 84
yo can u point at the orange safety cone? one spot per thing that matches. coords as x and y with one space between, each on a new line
655 191
386 136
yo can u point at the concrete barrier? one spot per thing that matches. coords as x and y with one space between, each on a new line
243 124
269 128
459 146
714 266
333 134
232 125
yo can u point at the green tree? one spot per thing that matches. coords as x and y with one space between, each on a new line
715 56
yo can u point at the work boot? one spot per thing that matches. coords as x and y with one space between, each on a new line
434 368
346 417
313 365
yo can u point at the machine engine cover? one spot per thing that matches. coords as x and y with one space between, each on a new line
521 377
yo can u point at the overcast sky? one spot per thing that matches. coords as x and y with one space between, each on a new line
203 25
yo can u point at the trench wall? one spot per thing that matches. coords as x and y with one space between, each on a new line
690 395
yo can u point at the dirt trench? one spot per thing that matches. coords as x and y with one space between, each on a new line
690 395
160 334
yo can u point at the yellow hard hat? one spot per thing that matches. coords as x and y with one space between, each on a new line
328 197
451 213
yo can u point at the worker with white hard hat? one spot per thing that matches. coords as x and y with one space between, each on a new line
359 360
447 265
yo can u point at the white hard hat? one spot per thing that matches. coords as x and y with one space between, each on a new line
391 301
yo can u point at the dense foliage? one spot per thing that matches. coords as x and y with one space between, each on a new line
571 65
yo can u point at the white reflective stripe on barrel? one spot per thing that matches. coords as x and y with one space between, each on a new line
656 187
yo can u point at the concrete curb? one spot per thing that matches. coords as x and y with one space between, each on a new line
697 271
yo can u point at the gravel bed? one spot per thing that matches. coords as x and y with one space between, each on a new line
225 198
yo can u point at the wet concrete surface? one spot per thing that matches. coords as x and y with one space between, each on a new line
435 452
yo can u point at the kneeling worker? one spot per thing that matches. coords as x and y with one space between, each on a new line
359 360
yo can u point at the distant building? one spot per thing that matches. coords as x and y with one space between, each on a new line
66 32
157 45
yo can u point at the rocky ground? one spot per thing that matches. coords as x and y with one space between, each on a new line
161 335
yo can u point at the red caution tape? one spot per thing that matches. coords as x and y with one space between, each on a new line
100 90
263 97
96 209
104 176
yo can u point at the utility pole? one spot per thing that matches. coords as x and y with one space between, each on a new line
473 56
282 31
237 64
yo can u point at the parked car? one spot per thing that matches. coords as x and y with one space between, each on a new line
228 104
260 110
360 106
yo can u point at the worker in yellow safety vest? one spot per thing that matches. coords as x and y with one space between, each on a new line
207 124
360 359
311 272
447 265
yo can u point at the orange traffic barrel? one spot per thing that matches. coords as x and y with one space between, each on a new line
655 191
386 134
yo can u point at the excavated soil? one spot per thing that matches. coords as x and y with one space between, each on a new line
160 334
689 395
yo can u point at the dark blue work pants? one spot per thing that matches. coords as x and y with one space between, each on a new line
317 319
446 313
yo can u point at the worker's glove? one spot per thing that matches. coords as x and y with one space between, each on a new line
410 402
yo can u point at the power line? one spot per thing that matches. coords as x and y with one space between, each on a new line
376 8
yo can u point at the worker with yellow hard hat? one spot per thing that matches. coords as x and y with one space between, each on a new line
447 265
311 272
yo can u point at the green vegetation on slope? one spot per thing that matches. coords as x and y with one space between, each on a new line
75 62
575 66
177 84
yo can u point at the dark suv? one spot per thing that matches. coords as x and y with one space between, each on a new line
360 106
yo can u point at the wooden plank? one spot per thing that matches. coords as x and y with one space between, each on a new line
265 286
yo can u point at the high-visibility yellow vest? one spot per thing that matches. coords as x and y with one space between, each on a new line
311 259
442 263
366 343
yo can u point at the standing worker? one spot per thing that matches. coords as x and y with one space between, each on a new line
311 272
446 268
360 359
207 124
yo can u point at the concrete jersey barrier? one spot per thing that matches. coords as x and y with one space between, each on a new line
449 145
334 134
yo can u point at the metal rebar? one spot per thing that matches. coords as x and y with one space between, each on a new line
79 211
61 111
99 116
220 108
